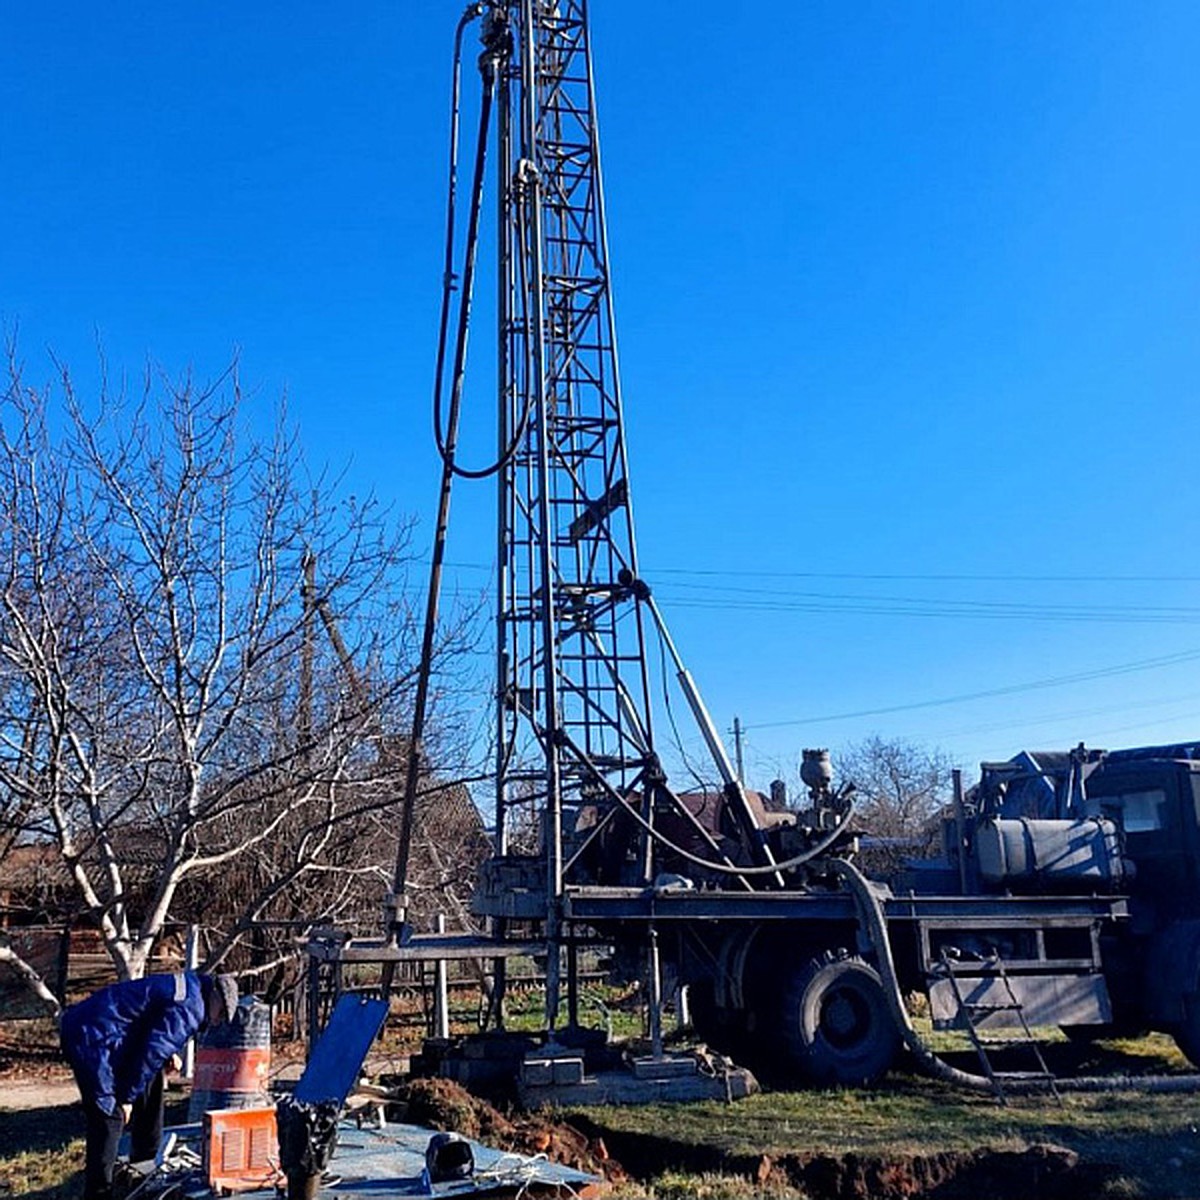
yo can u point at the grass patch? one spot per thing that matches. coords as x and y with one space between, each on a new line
42 1150
619 1011
41 1153
1151 1054
1151 1142
907 1117
1148 1144
45 1175
674 1185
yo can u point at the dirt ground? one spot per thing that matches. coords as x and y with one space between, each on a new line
1041 1172
790 1146
21 1095
32 1072
442 1104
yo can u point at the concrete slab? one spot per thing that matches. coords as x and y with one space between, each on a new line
624 1087
390 1162
667 1067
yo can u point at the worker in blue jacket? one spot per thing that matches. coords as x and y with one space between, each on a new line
118 1042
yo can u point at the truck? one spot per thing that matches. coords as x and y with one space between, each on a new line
1066 892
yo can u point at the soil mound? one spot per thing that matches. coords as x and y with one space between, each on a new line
444 1104
1038 1172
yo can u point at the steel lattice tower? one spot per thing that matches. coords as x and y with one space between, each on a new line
571 671
575 758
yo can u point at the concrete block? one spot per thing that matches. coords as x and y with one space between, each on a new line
568 1070
664 1068
537 1072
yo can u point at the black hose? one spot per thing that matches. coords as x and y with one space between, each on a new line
492 64
814 851
871 912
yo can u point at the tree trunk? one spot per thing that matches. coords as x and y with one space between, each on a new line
29 976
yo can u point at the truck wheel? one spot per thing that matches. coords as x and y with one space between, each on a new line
837 1029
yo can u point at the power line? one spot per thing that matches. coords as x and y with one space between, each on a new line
1074 715
733 597
1146 664
889 577
928 577
952 609
729 589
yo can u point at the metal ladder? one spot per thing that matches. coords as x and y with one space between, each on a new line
973 1013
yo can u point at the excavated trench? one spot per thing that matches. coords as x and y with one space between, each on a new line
1040 1172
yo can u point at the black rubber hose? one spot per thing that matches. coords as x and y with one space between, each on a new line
446 445
788 864
871 912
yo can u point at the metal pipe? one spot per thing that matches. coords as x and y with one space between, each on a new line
191 960
960 825
708 730
655 995
397 903
441 994
552 824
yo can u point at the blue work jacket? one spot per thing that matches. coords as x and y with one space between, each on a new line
118 1039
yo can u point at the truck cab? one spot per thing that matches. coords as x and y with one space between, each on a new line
1137 811
1156 805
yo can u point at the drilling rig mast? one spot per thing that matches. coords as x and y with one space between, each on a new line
571 669
575 733
575 757
581 797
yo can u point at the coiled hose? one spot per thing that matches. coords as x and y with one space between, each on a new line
871 914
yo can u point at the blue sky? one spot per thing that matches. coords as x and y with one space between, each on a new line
906 296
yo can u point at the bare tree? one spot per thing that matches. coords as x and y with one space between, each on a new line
165 719
900 788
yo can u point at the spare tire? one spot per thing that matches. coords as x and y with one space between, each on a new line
837 1029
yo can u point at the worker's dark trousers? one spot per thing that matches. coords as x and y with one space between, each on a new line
104 1135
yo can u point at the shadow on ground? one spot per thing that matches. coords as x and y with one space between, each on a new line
1069 1059
37 1158
71 1190
40 1130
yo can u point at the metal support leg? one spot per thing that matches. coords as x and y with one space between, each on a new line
655 995
572 982
683 1015
441 999
314 1004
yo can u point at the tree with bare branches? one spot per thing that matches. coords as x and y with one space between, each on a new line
899 789
171 719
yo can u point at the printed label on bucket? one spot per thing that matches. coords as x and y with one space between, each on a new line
231 1070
